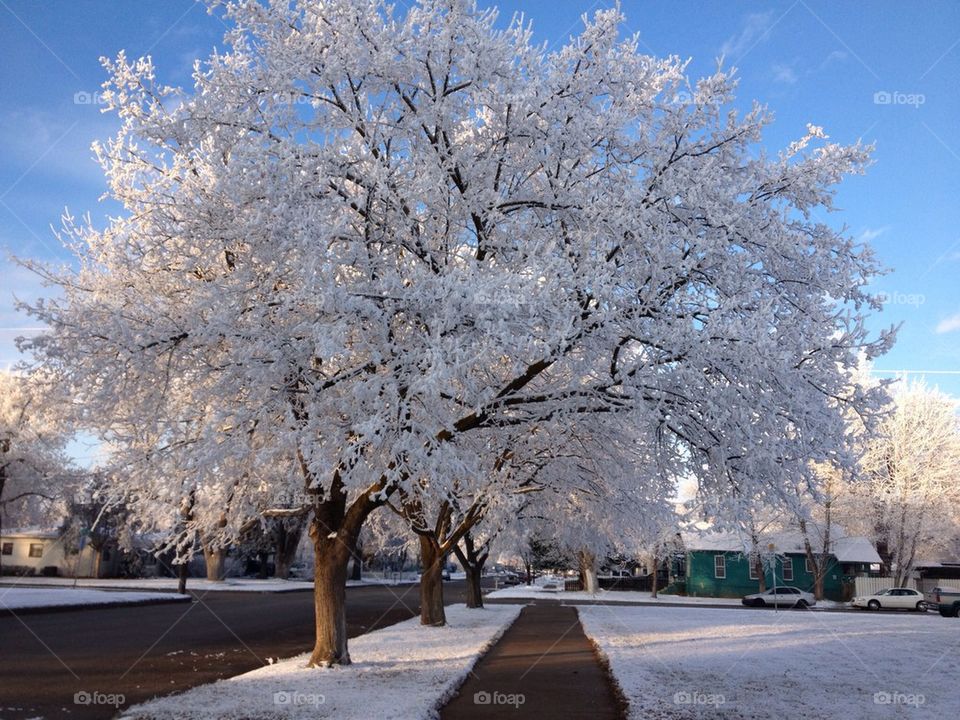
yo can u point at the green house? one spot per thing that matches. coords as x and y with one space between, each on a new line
718 565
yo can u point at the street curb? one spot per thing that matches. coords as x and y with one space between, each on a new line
640 603
47 609
194 590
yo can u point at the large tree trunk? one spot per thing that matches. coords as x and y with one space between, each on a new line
588 571
331 556
437 539
472 561
431 583
474 587
287 539
757 561
281 568
215 559
334 531
4 449
182 572
821 563
656 575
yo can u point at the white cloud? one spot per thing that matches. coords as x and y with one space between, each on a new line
870 234
837 56
784 74
41 143
754 31
948 325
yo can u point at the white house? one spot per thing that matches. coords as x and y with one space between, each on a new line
38 551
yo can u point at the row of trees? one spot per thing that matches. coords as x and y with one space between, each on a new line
901 495
414 266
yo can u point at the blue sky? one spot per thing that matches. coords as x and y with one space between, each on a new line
884 72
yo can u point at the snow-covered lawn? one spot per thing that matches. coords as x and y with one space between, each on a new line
405 671
627 596
15 598
199 584
679 663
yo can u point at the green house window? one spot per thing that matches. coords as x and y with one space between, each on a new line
8 548
720 566
36 550
788 568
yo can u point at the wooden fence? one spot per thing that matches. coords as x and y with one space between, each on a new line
873 585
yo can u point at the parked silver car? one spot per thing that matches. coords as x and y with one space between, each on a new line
782 596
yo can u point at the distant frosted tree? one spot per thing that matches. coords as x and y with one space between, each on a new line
910 468
36 475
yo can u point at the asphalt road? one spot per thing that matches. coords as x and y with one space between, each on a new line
142 652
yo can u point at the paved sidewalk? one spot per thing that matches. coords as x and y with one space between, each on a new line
542 667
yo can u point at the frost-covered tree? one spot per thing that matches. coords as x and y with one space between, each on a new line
364 235
93 521
604 491
35 471
910 473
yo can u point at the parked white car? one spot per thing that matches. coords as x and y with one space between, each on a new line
892 599
550 583
782 596
617 574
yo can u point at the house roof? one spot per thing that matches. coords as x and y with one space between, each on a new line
31 532
845 549
855 550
